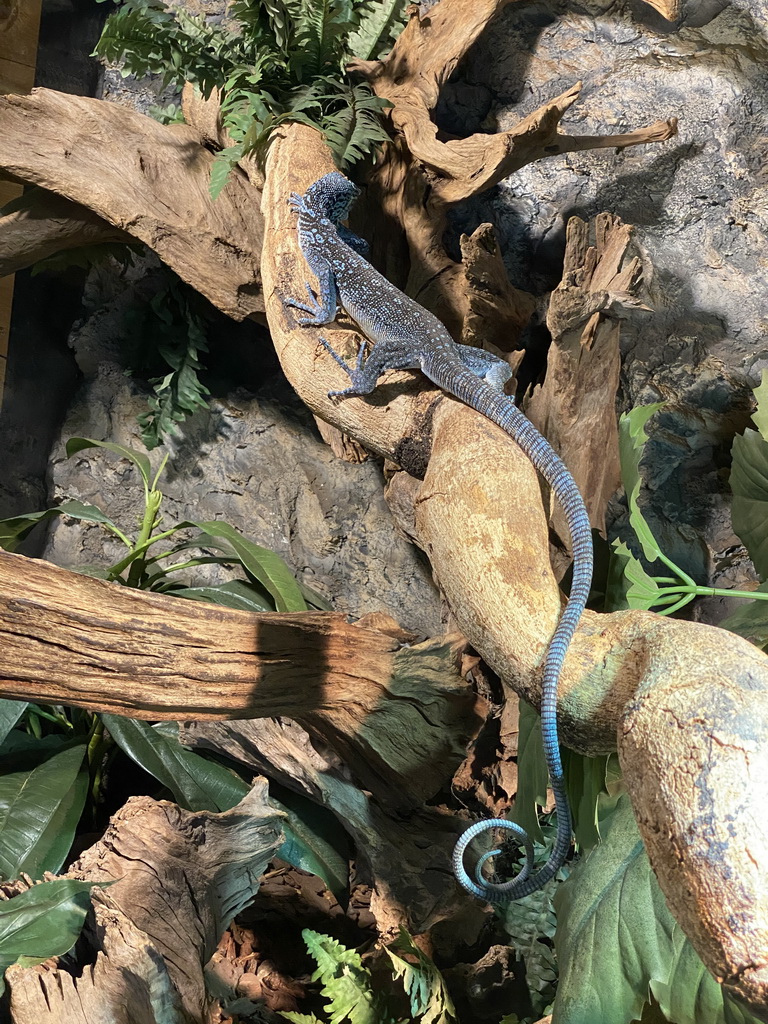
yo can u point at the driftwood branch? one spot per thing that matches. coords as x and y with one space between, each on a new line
573 407
488 544
179 879
423 58
145 179
40 223
400 717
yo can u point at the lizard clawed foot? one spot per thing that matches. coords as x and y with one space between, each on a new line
354 375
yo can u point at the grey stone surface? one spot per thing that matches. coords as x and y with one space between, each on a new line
700 204
254 460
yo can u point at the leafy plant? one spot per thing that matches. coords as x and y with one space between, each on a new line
172 326
272 61
617 941
349 987
629 585
44 921
52 758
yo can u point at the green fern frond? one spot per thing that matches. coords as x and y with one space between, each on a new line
346 983
378 24
423 983
354 129
321 32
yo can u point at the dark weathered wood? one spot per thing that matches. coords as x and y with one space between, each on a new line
179 879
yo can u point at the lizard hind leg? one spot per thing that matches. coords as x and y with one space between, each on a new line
358 385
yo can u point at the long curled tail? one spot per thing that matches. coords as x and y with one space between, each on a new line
502 411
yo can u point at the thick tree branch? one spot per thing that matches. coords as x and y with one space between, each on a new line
400 717
40 223
487 539
145 179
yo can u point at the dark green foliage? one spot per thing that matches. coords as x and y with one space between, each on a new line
172 327
45 921
274 60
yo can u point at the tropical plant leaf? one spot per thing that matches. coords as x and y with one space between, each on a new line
423 983
760 415
14 530
266 566
234 594
196 783
632 439
532 776
10 712
139 460
314 841
629 585
42 794
749 483
617 940
45 921
584 782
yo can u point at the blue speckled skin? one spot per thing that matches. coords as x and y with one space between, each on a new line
407 336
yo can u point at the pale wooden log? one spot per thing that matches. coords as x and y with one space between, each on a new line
480 519
400 716
40 223
147 179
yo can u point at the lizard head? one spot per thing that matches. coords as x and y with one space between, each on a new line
332 196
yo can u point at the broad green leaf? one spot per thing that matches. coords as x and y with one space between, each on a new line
234 594
196 783
632 438
750 620
760 415
532 777
314 841
42 922
423 983
749 483
584 782
267 567
617 940
629 585
140 461
10 712
42 794
14 530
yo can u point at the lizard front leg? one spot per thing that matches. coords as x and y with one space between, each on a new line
322 309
